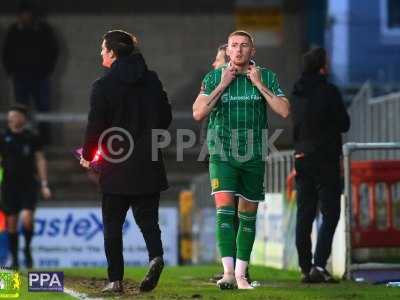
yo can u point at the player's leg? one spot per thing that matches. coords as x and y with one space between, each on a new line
226 235
236 223
236 219
12 207
28 206
12 225
27 227
251 192
224 181
219 276
245 240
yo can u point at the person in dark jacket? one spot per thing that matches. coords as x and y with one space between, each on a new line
126 105
319 119
29 55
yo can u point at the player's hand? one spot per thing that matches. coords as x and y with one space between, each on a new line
254 75
46 193
228 75
84 163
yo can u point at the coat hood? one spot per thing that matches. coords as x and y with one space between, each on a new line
130 69
307 82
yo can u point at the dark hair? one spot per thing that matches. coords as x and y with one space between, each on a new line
314 60
22 109
121 42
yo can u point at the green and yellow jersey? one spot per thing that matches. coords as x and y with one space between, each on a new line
238 121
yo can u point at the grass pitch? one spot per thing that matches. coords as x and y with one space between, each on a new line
192 282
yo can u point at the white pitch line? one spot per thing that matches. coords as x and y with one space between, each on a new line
79 295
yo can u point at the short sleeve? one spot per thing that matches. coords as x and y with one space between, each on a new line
209 83
37 144
275 87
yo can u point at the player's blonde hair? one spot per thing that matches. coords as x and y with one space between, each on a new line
242 33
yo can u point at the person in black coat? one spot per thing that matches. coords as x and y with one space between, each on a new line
30 54
126 105
319 119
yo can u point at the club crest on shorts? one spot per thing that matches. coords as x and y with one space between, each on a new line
215 183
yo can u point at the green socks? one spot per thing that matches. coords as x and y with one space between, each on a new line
246 235
225 232
226 235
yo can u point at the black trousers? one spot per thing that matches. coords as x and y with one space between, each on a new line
145 212
317 183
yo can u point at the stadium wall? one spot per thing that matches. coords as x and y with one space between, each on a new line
179 46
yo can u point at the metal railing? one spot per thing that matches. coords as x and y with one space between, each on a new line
82 117
374 120
277 169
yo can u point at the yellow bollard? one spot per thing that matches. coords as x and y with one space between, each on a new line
185 227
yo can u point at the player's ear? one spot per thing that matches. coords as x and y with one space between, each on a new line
253 52
112 54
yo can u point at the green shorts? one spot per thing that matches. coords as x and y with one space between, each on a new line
244 179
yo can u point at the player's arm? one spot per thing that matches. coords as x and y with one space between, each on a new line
41 165
204 103
279 104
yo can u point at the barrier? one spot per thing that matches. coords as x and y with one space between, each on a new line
373 187
185 227
3 240
375 231
368 174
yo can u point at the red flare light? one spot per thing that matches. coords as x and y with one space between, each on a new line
97 156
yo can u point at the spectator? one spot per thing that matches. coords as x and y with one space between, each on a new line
29 56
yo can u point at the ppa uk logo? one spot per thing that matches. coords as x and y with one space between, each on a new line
45 281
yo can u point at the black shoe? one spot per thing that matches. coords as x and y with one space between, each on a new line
216 277
14 265
150 281
28 258
305 278
113 287
321 276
